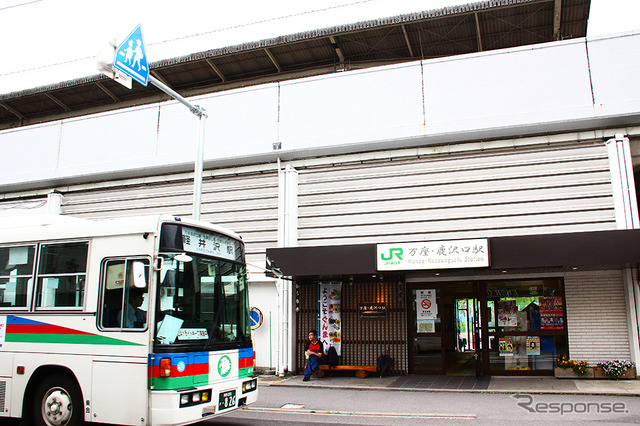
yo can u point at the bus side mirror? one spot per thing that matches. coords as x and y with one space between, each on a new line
139 276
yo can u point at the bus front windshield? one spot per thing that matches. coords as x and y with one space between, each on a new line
202 303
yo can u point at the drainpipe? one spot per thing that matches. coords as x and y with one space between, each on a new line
281 324
626 211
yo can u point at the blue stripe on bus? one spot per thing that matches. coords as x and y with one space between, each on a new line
245 353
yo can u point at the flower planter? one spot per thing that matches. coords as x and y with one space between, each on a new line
568 373
598 373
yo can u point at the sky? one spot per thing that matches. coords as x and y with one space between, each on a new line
48 41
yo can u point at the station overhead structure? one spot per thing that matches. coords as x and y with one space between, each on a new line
455 30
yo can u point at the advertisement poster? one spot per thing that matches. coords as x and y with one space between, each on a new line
330 332
551 313
507 313
533 345
506 346
426 306
426 326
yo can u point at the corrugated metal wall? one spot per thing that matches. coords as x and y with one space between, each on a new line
246 204
468 195
363 339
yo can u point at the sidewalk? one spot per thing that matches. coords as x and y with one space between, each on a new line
496 384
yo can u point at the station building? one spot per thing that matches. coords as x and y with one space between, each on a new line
453 188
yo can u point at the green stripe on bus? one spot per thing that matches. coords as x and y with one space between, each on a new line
76 339
168 383
245 372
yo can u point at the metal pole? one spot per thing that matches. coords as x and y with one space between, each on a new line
197 173
200 112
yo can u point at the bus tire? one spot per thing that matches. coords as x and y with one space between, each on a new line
57 402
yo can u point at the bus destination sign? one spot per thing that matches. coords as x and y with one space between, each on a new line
208 243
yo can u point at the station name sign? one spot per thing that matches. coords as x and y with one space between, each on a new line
452 254
372 310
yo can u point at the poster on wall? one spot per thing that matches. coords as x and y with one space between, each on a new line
507 313
330 330
551 313
426 306
426 326
506 346
533 345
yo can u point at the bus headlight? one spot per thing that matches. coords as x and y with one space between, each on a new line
249 386
194 398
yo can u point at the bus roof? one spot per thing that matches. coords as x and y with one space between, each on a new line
53 227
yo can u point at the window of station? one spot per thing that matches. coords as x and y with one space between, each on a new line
526 324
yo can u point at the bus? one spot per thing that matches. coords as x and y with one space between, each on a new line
136 321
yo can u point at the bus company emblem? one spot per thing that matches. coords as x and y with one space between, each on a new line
181 366
224 366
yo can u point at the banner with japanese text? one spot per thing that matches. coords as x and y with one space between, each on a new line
330 333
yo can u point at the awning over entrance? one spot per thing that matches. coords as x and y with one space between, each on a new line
620 247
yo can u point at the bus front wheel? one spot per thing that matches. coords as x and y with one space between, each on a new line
57 402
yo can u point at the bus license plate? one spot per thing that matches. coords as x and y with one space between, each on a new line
227 400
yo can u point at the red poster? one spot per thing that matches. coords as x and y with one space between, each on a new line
551 313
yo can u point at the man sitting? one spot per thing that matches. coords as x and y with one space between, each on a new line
313 353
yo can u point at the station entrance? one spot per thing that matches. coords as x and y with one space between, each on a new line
472 328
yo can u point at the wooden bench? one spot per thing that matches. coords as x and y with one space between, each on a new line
362 371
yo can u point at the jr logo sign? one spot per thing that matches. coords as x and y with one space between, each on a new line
393 251
473 253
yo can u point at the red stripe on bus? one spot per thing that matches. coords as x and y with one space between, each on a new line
41 329
245 362
190 370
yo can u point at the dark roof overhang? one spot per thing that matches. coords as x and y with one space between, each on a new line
566 251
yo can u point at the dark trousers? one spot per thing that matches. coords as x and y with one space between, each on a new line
312 363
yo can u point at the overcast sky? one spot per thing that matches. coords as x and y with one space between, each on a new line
47 41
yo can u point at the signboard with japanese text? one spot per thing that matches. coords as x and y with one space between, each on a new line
330 330
209 243
433 255
372 310
426 305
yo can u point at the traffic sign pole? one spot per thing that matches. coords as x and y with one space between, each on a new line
197 169
130 61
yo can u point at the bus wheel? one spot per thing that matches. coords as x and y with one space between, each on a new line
57 402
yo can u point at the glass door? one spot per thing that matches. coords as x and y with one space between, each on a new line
426 353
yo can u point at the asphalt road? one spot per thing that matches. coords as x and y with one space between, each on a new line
296 405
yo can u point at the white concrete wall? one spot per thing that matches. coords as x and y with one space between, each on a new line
393 106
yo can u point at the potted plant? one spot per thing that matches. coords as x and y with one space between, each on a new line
615 369
569 369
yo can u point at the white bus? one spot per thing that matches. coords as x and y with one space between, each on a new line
134 321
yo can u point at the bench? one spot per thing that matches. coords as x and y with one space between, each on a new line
362 371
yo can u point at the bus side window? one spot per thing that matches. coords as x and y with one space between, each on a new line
16 275
118 292
62 271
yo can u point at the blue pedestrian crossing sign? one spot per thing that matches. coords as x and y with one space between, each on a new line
131 58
